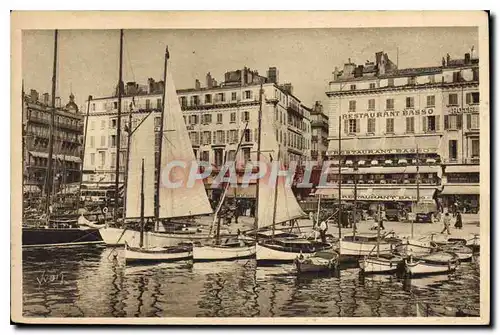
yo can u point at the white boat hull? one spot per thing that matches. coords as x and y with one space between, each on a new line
378 265
265 254
222 253
156 255
362 249
116 237
423 268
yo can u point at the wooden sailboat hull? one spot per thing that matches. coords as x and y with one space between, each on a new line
114 237
414 248
360 249
422 268
379 265
222 253
157 255
266 253
58 237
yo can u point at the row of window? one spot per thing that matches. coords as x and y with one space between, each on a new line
102 159
453 149
431 79
195 100
59 120
429 124
470 98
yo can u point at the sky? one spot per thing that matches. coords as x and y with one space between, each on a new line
88 60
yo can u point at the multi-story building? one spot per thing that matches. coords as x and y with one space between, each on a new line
67 139
392 120
215 116
319 133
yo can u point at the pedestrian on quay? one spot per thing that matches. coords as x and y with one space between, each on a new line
323 227
381 218
458 221
446 222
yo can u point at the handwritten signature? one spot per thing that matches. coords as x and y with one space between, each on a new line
50 278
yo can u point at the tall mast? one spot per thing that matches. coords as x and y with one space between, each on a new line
340 183
141 241
118 129
259 140
160 144
378 233
49 179
83 151
125 179
276 192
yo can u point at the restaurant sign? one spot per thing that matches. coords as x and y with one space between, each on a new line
385 114
384 197
381 151
463 110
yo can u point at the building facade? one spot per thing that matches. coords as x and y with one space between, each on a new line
388 120
217 116
67 141
319 133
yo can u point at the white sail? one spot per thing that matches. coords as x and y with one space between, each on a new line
287 207
141 148
176 146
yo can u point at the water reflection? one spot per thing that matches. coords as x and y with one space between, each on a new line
97 283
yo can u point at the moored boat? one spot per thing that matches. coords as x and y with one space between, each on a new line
422 267
380 264
287 250
157 254
223 252
322 261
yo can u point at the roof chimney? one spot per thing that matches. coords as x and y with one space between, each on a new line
209 80
467 58
197 84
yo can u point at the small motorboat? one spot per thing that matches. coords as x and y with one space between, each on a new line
421 267
158 254
321 261
381 264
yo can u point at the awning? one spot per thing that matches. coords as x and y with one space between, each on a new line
378 194
460 189
70 158
39 154
470 168
386 145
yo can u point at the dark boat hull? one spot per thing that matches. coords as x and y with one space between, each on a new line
51 237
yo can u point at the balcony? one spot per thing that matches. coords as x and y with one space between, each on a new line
319 123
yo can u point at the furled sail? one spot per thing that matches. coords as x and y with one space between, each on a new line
185 200
141 148
287 207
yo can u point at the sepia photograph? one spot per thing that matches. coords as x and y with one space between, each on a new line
218 168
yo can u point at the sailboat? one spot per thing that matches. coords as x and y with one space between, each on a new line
229 250
173 202
381 263
277 204
53 228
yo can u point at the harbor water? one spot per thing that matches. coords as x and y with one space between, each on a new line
93 281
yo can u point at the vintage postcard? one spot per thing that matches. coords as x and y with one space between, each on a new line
250 168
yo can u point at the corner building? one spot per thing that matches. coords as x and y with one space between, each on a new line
393 119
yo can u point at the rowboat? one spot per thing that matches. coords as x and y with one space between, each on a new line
380 264
423 267
226 252
322 261
287 250
157 254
